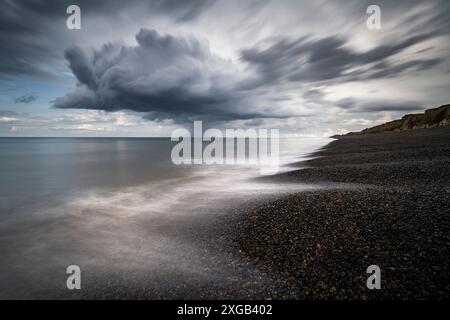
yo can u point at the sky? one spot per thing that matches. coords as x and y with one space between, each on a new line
145 68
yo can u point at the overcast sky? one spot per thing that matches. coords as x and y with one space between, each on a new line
144 68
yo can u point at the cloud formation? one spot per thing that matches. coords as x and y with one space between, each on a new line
163 76
331 59
168 77
27 97
290 64
33 33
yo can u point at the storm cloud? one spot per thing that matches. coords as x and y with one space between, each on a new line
163 76
310 63
33 33
168 77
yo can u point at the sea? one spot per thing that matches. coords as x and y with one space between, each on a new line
122 211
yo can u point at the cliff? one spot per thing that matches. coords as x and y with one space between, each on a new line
429 119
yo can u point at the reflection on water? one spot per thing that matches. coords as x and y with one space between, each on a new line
115 206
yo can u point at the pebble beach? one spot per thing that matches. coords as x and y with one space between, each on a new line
384 201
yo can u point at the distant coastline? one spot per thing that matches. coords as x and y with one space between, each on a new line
431 118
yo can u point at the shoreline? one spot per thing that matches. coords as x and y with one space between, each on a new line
142 234
294 243
386 204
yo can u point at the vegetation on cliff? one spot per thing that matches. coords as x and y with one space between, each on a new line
429 119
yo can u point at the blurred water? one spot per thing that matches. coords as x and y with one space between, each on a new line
112 205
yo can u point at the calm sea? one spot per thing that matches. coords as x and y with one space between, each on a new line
116 207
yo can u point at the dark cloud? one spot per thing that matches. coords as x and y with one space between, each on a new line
163 76
363 106
329 59
81 67
311 59
314 95
369 105
387 70
183 10
27 98
33 34
179 78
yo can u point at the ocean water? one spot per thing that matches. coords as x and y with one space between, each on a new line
118 208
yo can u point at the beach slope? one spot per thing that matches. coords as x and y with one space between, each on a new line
385 202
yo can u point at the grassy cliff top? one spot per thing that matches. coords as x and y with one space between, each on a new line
429 119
